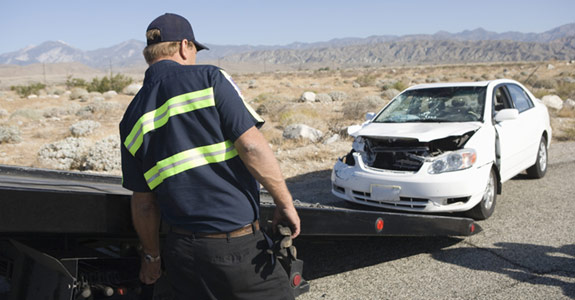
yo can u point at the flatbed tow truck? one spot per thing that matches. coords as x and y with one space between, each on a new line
69 235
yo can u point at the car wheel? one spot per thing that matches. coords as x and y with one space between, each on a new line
539 169
485 208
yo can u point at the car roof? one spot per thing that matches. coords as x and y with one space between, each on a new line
459 84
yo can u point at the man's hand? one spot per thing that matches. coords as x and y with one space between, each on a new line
150 271
289 217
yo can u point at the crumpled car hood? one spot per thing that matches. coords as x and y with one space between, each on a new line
424 132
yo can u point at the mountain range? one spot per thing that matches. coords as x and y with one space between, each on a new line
476 45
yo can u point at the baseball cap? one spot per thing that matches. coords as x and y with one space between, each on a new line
173 28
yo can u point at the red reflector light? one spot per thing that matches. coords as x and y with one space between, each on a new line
379 224
122 291
472 228
296 280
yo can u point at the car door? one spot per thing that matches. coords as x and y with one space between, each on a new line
531 128
513 135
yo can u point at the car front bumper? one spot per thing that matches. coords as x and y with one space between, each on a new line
410 191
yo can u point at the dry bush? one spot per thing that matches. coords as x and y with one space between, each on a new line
299 114
9 134
565 90
566 113
355 110
29 114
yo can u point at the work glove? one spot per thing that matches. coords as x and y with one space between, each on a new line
282 246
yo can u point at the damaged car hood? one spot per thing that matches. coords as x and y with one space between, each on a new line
423 132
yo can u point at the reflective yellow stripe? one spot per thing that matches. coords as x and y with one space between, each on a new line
189 159
248 107
157 118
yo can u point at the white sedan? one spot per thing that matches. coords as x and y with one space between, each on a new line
445 147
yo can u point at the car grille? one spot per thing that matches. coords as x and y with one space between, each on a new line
404 202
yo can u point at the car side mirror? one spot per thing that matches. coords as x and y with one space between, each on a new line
506 114
369 116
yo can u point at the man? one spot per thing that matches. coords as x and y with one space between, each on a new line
192 154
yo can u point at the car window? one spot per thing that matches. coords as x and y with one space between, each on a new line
500 99
520 99
441 104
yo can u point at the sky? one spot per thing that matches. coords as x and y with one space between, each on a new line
90 25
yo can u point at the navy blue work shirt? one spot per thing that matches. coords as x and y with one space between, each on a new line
177 141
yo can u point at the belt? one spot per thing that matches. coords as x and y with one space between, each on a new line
248 229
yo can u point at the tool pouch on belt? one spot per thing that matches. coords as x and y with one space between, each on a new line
286 253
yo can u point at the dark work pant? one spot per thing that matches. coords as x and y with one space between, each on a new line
235 268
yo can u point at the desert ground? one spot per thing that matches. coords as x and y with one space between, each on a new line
32 129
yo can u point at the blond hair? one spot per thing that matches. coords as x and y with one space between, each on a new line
155 51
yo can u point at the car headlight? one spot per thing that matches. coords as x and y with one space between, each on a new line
453 161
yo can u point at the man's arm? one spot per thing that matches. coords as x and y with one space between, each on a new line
262 164
146 219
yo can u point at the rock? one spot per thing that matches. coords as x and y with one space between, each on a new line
552 101
132 89
307 97
84 128
110 94
33 96
355 85
297 131
252 84
568 104
550 67
323 98
9 135
104 155
64 154
79 94
338 96
334 138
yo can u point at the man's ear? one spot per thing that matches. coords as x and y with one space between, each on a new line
183 46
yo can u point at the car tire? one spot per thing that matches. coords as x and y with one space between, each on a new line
539 169
485 208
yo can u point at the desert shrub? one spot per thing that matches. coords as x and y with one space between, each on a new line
116 83
299 114
104 155
565 90
84 128
366 80
544 84
355 110
64 154
27 90
30 114
9 135
75 82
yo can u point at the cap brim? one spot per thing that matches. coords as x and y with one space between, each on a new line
200 46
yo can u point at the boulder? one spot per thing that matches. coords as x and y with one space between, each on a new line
569 104
132 89
552 101
323 98
302 131
307 97
110 94
79 94
338 96
334 138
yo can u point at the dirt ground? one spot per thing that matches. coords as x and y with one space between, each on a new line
275 95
